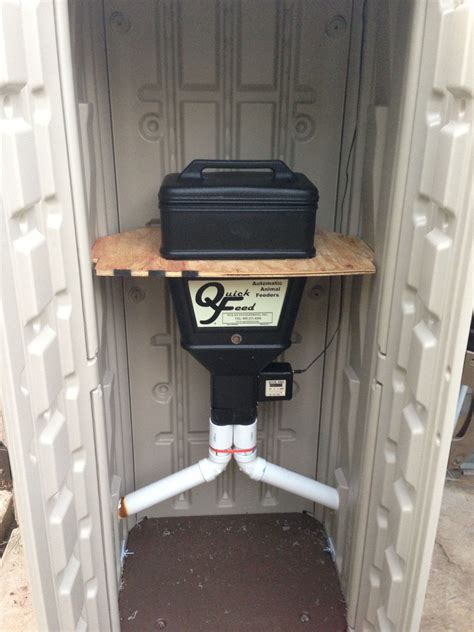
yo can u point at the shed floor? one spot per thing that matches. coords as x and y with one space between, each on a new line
449 605
245 573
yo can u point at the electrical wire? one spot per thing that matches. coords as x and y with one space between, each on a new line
346 185
354 135
346 188
331 339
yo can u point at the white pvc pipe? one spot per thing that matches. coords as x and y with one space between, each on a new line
203 471
461 397
245 438
220 438
261 470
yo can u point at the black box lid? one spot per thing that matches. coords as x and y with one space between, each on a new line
260 181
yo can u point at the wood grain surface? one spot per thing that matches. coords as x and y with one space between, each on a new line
137 253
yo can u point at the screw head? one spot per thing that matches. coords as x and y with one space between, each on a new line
316 292
296 338
336 26
136 294
236 339
119 22
161 624
304 617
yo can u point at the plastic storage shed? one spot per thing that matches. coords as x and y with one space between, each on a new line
373 100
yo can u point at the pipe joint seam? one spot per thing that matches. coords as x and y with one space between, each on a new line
254 469
210 470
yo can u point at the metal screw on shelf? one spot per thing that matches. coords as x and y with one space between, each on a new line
304 617
236 339
161 624
136 294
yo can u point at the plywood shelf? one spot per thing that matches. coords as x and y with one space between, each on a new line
136 253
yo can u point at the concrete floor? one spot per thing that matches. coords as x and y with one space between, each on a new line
16 611
449 605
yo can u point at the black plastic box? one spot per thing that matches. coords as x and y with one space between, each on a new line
262 211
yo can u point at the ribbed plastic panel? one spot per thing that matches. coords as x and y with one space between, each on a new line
207 79
49 362
231 80
423 319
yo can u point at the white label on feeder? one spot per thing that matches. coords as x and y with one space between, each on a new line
275 388
238 303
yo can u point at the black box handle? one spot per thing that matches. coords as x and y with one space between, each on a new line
281 171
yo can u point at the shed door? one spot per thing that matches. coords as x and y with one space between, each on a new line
423 321
48 342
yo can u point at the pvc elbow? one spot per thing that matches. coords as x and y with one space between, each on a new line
211 469
261 470
202 472
254 469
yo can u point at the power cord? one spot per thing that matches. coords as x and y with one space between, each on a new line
346 188
354 135
331 339
346 185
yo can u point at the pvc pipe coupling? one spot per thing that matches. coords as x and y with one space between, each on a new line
226 442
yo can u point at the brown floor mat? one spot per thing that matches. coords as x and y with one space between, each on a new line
245 573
